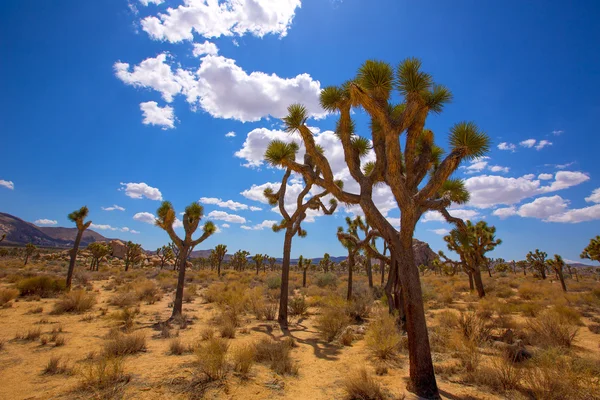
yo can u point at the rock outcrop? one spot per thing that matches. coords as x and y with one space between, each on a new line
119 249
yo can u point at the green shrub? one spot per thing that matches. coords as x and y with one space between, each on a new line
328 279
273 281
297 306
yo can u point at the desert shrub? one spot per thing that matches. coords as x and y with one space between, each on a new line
332 319
270 310
104 376
569 314
447 319
297 306
594 328
127 317
382 337
213 293
328 279
243 358
75 301
31 335
177 347
7 295
273 282
362 386
466 351
359 307
42 286
56 367
347 337
59 341
36 310
122 344
446 295
277 355
212 358
189 293
207 333
256 302
530 309
507 374
504 292
529 290
474 327
551 328
227 329
146 290
124 299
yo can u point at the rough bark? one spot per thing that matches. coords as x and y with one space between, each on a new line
73 258
350 268
285 277
370 271
304 278
178 303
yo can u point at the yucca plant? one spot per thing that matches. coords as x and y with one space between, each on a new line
258 261
416 175
98 250
165 254
29 250
558 264
537 262
592 251
219 254
78 217
191 220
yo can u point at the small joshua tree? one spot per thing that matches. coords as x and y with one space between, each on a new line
272 261
133 254
276 153
592 251
219 254
258 261
191 220
537 262
98 250
29 249
165 254
354 245
557 264
239 260
77 217
306 265
325 262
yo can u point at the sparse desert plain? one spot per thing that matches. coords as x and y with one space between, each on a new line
109 337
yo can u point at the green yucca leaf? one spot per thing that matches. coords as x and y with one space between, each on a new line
368 168
209 227
410 78
80 214
166 214
339 183
361 145
332 98
279 151
437 97
466 138
377 77
297 115
455 191
194 211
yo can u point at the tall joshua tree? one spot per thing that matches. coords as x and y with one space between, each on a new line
416 177
220 251
592 251
191 219
557 264
278 153
77 216
258 261
471 242
537 262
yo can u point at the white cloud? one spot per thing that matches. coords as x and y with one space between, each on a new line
210 19
146 217
543 207
259 227
563 166
505 212
594 197
105 227
225 225
440 231
577 215
498 168
551 209
178 223
207 47
232 205
542 144
230 134
155 115
146 2
458 213
140 190
558 132
481 163
113 208
253 208
223 216
507 146
45 221
134 231
7 184
545 177
529 143
565 179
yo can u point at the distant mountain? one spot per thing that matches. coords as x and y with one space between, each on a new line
19 232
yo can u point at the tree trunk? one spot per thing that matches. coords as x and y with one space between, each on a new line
471 285
562 279
219 268
350 268
73 258
304 278
257 268
370 271
478 282
26 259
178 303
543 272
285 276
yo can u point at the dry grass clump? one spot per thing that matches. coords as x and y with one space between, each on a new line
328 279
552 329
256 302
56 367
177 347
347 337
243 358
270 310
126 318
189 293
124 299
277 354
359 307
7 295
147 291
474 327
31 335
212 358
382 337
297 306
207 333
76 301
104 377
333 318
122 344
42 286
359 385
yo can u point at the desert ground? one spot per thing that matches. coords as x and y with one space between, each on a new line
108 336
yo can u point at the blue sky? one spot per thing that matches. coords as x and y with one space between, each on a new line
103 102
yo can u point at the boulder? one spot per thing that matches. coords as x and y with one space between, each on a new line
119 249
423 253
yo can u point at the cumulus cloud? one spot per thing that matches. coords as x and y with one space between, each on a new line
507 146
577 215
230 134
140 190
225 225
259 227
152 73
214 19
223 216
146 2
441 231
529 143
113 208
155 115
543 207
482 163
545 177
207 47
146 217
7 184
232 205
105 227
498 168
254 208
551 209
542 144
594 197
45 221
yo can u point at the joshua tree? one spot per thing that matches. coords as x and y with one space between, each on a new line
77 216
592 251
272 261
29 249
99 250
304 265
191 219
404 172
258 261
133 254
165 254
219 252
175 251
239 260
382 263
537 262
471 242
278 153
557 264
523 265
325 262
